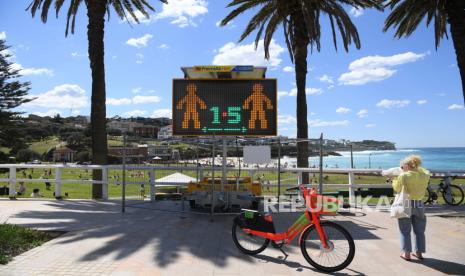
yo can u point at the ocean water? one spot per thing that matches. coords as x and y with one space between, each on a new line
433 158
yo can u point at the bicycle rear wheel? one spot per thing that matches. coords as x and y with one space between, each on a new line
341 249
248 243
427 198
453 195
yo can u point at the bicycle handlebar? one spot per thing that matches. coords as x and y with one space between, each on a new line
293 188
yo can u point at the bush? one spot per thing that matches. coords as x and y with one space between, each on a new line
83 156
25 155
114 132
15 240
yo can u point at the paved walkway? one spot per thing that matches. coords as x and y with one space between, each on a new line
100 240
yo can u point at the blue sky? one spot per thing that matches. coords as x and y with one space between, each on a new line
398 90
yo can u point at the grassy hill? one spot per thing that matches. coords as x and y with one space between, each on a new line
43 146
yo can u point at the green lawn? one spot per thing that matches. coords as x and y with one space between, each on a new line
15 240
43 146
82 189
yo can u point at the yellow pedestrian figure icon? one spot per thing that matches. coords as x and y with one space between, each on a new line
191 100
257 98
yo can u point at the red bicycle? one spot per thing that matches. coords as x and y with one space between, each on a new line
327 246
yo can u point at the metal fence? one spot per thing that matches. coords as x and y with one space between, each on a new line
145 181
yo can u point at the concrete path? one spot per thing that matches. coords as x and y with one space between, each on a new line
100 240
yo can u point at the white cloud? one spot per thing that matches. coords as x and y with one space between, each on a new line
320 123
121 101
32 71
63 96
135 113
286 119
136 90
343 110
420 102
308 91
3 35
77 54
237 54
163 46
370 125
183 11
441 94
376 68
372 62
282 94
140 41
385 103
49 113
326 78
145 99
362 76
164 112
362 113
135 100
455 106
288 69
356 12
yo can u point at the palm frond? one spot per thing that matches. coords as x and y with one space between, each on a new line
248 4
269 31
121 7
259 19
406 16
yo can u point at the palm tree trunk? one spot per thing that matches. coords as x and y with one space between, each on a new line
299 46
95 33
456 19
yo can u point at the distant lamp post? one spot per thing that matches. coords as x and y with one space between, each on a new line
369 161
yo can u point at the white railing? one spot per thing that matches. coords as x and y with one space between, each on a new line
152 170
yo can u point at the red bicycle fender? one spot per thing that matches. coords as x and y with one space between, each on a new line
303 231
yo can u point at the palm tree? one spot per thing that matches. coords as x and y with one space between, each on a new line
406 15
96 10
300 20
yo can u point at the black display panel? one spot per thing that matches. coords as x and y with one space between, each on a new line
224 107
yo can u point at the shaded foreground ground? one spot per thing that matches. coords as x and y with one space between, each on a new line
144 241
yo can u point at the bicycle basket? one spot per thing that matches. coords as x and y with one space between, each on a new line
254 220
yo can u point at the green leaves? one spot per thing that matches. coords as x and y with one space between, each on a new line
272 13
406 16
121 7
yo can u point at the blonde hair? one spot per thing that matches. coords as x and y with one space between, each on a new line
413 161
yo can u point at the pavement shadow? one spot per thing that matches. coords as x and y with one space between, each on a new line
445 267
299 267
172 236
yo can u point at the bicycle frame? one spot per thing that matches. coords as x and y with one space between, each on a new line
305 221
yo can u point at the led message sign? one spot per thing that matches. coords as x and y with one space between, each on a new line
224 107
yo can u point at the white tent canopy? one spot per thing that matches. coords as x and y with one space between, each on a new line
176 178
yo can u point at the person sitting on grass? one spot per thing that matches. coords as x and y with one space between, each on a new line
142 191
22 188
36 193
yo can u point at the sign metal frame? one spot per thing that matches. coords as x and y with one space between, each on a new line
274 133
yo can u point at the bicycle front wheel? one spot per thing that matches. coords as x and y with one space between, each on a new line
453 195
337 256
427 198
248 243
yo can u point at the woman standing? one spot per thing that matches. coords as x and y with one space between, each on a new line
415 180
